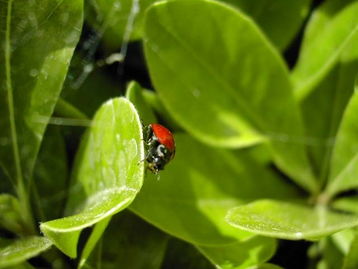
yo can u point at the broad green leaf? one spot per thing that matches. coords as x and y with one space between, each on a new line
135 95
38 39
344 164
288 220
22 249
11 218
328 35
129 242
241 255
351 260
51 175
117 22
156 104
280 19
108 173
235 96
199 186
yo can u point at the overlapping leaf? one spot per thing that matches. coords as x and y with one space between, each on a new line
288 220
209 82
108 173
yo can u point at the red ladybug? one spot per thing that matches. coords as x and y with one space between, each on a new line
160 147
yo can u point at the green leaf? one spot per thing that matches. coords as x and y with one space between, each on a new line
241 255
108 173
23 249
344 164
343 240
327 37
280 19
266 266
38 39
349 204
324 105
288 220
216 94
331 256
10 215
152 99
117 22
199 186
135 95
180 254
351 260
51 175
133 244
92 241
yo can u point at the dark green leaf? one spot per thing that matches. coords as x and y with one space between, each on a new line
51 175
288 220
216 94
133 244
241 255
107 176
11 218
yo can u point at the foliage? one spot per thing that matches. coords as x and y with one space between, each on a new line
266 134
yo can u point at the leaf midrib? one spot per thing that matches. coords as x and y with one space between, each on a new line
10 98
258 122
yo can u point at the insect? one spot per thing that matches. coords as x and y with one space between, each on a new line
160 147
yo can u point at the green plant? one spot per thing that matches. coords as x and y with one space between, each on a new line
264 152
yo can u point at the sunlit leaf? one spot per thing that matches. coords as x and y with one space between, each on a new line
199 186
216 94
107 176
288 220
22 249
328 35
38 39
344 165
135 95
351 260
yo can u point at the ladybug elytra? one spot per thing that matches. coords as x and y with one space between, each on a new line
160 147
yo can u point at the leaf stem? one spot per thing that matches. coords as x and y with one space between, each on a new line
20 187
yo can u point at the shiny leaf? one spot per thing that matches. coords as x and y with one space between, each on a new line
216 94
288 220
107 176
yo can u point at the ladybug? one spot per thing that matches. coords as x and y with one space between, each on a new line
160 147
